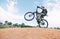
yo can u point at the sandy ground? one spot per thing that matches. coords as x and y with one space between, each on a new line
29 33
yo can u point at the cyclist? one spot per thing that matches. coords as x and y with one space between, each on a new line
40 14
44 11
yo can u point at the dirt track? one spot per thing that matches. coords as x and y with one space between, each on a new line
29 33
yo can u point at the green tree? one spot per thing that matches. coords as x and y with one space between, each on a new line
6 22
1 23
9 23
15 25
22 25
19 25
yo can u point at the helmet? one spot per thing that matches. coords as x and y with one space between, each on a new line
38 7
42 7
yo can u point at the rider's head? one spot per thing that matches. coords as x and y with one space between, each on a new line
42 7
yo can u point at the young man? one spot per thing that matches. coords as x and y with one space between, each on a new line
41 14
44 11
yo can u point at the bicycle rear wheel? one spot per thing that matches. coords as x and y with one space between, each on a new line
28 17
43 23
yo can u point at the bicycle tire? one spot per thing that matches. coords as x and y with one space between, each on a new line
44 26
27 18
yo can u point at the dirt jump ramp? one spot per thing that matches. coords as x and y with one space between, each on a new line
29 33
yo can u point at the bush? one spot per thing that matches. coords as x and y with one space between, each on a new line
26 26
9 23
3 27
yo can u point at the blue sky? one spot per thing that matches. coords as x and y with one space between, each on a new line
14 10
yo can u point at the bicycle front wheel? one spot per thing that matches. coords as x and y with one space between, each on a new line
28 17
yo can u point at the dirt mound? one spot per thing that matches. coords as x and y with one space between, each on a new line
29 33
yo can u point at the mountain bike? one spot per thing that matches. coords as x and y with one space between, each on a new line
41 21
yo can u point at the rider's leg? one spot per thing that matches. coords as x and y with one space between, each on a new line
38 18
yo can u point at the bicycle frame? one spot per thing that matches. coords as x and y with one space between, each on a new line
38 14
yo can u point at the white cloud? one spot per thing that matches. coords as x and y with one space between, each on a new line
53 12
36 3
53 7
10 14
11 6
4 15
